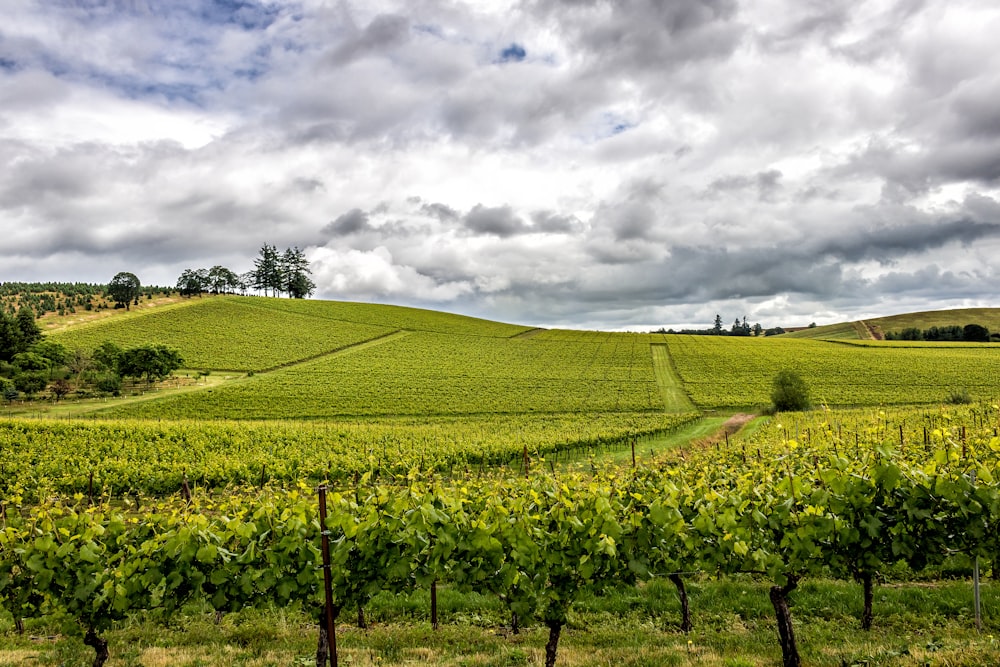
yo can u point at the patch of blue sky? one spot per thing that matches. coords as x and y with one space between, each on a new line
605 126
612 123
144 89
247 14
618 128
514 53
429 29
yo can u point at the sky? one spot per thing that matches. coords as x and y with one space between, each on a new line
601 164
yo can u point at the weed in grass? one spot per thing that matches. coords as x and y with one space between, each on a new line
509 658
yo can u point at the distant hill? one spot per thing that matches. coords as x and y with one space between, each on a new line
876 328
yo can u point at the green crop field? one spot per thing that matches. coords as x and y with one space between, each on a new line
225 333
723 372
153 457
416 373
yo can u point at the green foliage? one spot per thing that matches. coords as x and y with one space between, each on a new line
30 361
153 457
975 333
851 492
970 333
30 382
789 392
53 352
192 282
958 397
124 288
8 391
154 362
18 334
28 329
109 383
107 357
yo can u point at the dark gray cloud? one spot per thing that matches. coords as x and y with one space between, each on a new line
440 211
765 183
886 242
647 34
500 221
352 222
384 32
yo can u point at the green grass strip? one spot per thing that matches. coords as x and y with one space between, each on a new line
675 399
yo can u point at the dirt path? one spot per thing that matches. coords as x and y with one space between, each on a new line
869 331
730 427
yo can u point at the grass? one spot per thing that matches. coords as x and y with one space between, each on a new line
627 625
649 447
840 331
670 385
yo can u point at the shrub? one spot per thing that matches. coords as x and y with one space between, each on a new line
789 392
958 397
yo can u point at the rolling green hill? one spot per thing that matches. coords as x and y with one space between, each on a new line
326 360
253 334
877 327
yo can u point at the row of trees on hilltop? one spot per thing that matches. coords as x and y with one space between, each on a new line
274 273
739 328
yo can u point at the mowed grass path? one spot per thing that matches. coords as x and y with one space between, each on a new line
671 389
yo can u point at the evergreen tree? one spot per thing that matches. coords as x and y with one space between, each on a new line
28 328
267 271
295 271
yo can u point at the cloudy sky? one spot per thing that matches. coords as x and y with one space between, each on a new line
615 164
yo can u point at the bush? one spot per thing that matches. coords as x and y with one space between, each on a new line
958 397
110 384
789 392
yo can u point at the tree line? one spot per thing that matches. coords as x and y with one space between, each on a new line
738 328
63 298
274 273
971 333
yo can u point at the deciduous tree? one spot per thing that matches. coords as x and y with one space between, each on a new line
124 289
